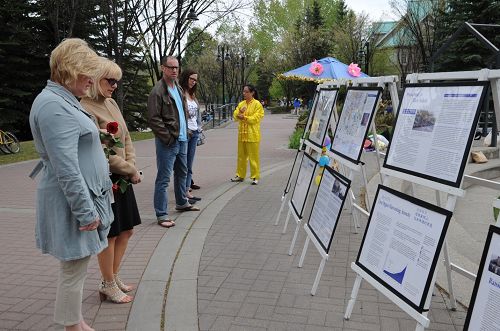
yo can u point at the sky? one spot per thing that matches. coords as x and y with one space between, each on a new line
377 9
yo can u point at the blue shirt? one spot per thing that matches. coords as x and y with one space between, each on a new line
174 92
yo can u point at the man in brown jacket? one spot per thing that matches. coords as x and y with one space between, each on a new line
167 117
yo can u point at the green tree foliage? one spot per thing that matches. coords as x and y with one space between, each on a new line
23 64
468 53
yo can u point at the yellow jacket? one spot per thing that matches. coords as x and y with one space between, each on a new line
249 127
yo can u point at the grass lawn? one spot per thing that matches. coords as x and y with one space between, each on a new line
28 151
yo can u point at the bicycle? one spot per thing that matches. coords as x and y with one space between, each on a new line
9 143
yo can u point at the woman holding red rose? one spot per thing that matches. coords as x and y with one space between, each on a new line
123 170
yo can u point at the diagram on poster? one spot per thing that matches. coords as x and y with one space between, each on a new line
484 309
401 244
327 206
434 129
353 124
304 178
322 115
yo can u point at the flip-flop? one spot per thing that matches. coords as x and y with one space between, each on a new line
171 223
190 208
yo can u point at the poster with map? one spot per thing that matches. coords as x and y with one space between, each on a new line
322 115
401 244
354 121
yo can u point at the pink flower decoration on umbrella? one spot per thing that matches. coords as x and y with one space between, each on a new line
316 68
354 70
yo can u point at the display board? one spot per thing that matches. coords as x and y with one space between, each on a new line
434 129
401 244
354 122
327 206
311 115
321 117
484 307
305 177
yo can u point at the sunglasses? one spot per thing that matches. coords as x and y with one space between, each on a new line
112 81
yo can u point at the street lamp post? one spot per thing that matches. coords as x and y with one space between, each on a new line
190 17
222 55
364 55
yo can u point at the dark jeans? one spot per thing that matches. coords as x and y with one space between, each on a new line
191 150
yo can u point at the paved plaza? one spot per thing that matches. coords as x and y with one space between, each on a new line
223 268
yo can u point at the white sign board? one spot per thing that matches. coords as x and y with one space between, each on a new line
322 114
484 307
327 206
354 122
402 243
304 178
434 129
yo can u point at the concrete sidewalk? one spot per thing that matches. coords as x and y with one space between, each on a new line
224 268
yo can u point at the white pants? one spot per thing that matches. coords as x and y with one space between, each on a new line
68 307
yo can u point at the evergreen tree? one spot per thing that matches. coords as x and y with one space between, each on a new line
23 65
341 11
468 53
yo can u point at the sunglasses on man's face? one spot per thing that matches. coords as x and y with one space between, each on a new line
112 81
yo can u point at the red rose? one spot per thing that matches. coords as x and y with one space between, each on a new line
112 127
115 186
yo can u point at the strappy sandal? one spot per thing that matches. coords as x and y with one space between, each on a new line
111 291
122 286
169 225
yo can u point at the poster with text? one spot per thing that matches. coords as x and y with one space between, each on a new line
311 115
434 130
401 244
322 115
484 307
307 170
354 121
327 206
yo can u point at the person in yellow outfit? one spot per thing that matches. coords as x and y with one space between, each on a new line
249 113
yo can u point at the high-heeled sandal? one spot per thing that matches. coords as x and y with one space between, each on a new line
109 290
125 288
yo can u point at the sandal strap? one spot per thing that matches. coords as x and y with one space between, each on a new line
112 291
121 285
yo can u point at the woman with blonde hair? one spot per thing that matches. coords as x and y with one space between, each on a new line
123 171
74 192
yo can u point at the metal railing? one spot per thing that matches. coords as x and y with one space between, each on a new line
216 114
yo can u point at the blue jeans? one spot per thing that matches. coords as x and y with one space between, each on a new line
192 143
168 158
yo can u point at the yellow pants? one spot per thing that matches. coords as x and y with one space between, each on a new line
248 151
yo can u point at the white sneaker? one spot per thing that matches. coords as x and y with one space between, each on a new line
255 181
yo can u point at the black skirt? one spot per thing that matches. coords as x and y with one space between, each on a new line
125 211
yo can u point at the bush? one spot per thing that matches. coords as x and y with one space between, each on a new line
294 141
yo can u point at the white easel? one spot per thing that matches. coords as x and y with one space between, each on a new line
452 194
421 318
303 142
480 75
349 169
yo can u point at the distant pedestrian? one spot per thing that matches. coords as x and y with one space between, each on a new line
189 82
73 209
249 114
167 117
123 171
296 106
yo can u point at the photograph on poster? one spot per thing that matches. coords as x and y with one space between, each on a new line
305 176
327 206
434 128
484 307
307 129
354 121
402 243
322 115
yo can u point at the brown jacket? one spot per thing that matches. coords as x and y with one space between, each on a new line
106 110
163 116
